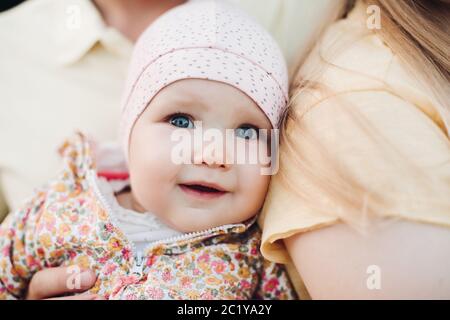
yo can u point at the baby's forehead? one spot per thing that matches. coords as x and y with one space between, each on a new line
203 91
208 96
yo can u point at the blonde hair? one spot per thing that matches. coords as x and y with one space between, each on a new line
418 32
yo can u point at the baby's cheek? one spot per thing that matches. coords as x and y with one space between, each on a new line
152 180
252 190
154 183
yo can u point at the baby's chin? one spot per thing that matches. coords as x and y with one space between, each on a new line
188 220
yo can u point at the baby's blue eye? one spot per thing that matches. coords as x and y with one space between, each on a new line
247 132
181 121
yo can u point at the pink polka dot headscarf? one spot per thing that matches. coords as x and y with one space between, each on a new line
205 39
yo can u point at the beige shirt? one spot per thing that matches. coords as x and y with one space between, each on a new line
370 119
62 69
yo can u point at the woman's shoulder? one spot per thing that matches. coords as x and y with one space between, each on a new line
350 57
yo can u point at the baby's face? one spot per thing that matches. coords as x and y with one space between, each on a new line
178 193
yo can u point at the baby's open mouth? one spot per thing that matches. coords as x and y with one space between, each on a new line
202 190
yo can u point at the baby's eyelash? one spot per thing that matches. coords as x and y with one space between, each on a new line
249 125
167 118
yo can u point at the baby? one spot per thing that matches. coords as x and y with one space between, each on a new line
168 230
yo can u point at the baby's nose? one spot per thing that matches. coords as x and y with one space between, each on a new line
214 159
213 154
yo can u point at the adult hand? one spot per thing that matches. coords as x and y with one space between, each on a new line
53 283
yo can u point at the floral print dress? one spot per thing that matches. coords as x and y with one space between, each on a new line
67 222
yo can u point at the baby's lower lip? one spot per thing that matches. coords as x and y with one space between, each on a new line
201 194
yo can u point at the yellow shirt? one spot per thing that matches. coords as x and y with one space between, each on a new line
377 123
62 69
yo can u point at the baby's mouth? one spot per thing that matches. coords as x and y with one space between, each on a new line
203 191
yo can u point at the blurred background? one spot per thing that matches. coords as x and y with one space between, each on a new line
8 4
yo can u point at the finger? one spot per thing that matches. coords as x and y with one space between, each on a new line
53 282
80 297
